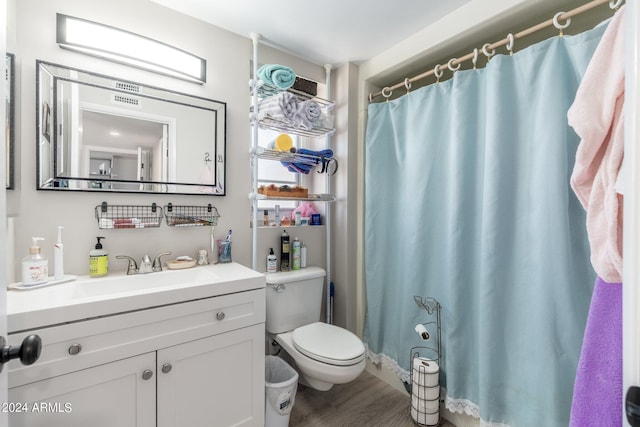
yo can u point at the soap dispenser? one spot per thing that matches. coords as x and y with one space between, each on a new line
35 266
98 261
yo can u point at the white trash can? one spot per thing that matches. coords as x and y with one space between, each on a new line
281 383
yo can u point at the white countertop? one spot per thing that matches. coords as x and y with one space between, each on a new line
93 297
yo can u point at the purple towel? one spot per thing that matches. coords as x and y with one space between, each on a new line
597 393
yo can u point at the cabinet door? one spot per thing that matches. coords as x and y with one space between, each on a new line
216 381
109 395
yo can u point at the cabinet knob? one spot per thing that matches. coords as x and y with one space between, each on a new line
147 374
166 368
75 349
220 315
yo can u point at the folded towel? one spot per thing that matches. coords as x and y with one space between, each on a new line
278 76
597 393
309 114
308 160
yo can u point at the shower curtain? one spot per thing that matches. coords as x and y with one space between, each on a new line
468 201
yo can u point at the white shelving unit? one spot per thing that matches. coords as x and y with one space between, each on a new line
258 154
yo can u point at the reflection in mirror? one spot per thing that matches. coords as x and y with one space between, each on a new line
9 123
97 133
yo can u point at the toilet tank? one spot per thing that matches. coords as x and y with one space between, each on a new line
294 298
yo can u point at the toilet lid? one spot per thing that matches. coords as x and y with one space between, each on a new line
328 343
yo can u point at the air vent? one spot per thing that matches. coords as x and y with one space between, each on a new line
128 87
131 101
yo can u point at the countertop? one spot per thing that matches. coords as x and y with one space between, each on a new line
86 297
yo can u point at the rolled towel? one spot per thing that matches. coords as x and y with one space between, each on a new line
309 113
283 106
279 76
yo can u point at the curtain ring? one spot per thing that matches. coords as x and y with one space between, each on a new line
437 72
451 67
407 84
557 24
474 60
510 41
385 94
486 52
615 4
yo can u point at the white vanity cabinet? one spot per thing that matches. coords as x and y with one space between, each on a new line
196 362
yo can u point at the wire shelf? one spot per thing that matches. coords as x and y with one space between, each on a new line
191 216
128 216
265 91
268 122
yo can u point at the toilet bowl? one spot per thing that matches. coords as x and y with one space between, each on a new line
323 354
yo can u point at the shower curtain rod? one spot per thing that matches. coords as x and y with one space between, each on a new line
489 49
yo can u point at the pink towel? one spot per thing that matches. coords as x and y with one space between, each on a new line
596 116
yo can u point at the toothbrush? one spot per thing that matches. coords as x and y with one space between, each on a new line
229 236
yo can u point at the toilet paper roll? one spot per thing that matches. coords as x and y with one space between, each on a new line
422 331
420 393
425 406
424 418
426 372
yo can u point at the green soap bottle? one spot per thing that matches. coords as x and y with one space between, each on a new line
98 261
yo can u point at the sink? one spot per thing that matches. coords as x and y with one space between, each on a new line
90 287
94 297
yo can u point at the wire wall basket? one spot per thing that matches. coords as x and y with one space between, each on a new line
128 216
191 216
425 365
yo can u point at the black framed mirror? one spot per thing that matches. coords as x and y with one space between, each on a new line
10 120
100 133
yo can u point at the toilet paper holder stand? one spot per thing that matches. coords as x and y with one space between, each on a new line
424 382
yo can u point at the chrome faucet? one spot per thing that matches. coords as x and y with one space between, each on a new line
146 266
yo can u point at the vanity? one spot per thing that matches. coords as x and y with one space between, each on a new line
173 348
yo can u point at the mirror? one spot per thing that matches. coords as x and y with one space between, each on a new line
98 133
9 124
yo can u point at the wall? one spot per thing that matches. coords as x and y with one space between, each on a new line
32 35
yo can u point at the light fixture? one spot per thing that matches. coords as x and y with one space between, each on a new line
128 48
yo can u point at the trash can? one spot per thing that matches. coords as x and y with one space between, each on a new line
281 382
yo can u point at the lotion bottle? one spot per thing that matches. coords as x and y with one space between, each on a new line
303 255
58 256
98 261
35 266
272 262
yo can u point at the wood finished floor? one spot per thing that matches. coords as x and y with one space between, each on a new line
367 401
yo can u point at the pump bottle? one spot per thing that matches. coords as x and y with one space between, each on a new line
272 262
98 261
35 266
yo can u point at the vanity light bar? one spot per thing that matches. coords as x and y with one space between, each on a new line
113 44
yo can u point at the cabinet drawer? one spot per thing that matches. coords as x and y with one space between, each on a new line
83 344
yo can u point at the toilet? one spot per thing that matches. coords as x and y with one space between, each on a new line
323 354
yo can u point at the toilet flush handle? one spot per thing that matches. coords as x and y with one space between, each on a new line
280 287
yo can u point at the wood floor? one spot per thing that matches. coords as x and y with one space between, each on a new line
367 401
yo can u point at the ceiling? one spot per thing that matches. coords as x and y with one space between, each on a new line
323 32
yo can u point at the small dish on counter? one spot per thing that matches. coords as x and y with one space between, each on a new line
179 264
52 281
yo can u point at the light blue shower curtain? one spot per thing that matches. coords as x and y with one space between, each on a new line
468 201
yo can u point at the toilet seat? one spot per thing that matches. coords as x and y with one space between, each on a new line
328 344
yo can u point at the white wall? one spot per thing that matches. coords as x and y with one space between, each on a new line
38 213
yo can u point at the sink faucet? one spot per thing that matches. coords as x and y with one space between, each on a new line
146 266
